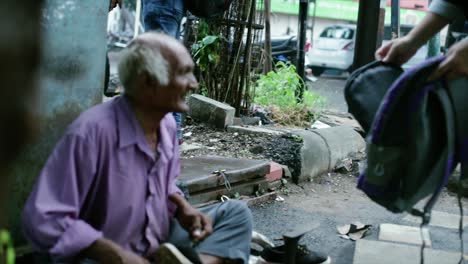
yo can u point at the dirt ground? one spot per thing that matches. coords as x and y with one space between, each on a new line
323 203
283 149
334 200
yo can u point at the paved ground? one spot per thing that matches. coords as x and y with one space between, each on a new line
331 87
335 201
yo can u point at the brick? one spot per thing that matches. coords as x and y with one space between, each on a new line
276 172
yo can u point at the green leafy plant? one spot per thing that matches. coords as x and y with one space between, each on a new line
206 51
276 91
277 88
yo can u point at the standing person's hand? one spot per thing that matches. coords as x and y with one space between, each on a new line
456 63
114 3
196 223
397 51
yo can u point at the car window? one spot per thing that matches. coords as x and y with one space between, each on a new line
337 33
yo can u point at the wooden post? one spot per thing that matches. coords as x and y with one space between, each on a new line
244 73
268 58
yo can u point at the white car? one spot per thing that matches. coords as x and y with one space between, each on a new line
334 49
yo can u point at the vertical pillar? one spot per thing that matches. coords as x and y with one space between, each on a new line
268 59
302 30
395 19
433 45
71 81
369 31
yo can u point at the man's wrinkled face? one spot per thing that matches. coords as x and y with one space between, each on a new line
182 81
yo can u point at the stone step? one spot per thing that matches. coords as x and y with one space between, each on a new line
404 234
373 252
243 176
441 219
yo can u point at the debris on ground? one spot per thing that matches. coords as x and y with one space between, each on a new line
353 231
319 125
344 166
201 140
279 199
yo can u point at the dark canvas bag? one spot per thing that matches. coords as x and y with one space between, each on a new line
365 89
418 135
411 142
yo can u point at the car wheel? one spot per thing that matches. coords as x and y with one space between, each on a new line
317 71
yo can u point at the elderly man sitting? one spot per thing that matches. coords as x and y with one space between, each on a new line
107 193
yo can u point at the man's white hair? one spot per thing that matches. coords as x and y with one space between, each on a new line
139 59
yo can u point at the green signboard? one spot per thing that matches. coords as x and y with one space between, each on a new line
341 9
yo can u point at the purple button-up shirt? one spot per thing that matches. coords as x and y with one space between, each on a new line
102 180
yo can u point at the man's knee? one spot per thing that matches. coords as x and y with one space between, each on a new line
238 210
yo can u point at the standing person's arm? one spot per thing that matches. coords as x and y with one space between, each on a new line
400 50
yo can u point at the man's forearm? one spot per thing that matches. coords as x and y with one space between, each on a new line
178 200
427 28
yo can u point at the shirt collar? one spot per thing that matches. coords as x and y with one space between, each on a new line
130 131
127 125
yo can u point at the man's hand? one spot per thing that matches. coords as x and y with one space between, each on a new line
105 251
397 51
114 3
456 63
197 224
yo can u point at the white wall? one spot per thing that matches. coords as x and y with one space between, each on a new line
281 22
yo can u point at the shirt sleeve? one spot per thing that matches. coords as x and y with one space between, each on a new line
174 169
446 9
51 215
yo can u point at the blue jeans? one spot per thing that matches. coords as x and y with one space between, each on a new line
165 16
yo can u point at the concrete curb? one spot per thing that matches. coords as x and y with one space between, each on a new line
322 148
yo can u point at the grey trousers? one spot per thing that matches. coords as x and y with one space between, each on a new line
232 233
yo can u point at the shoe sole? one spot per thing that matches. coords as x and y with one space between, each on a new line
260 260
169 254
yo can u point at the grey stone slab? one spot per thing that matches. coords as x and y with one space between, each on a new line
441 219
378 252
404 234
237 121
188 147
253 130
250 120
211 111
